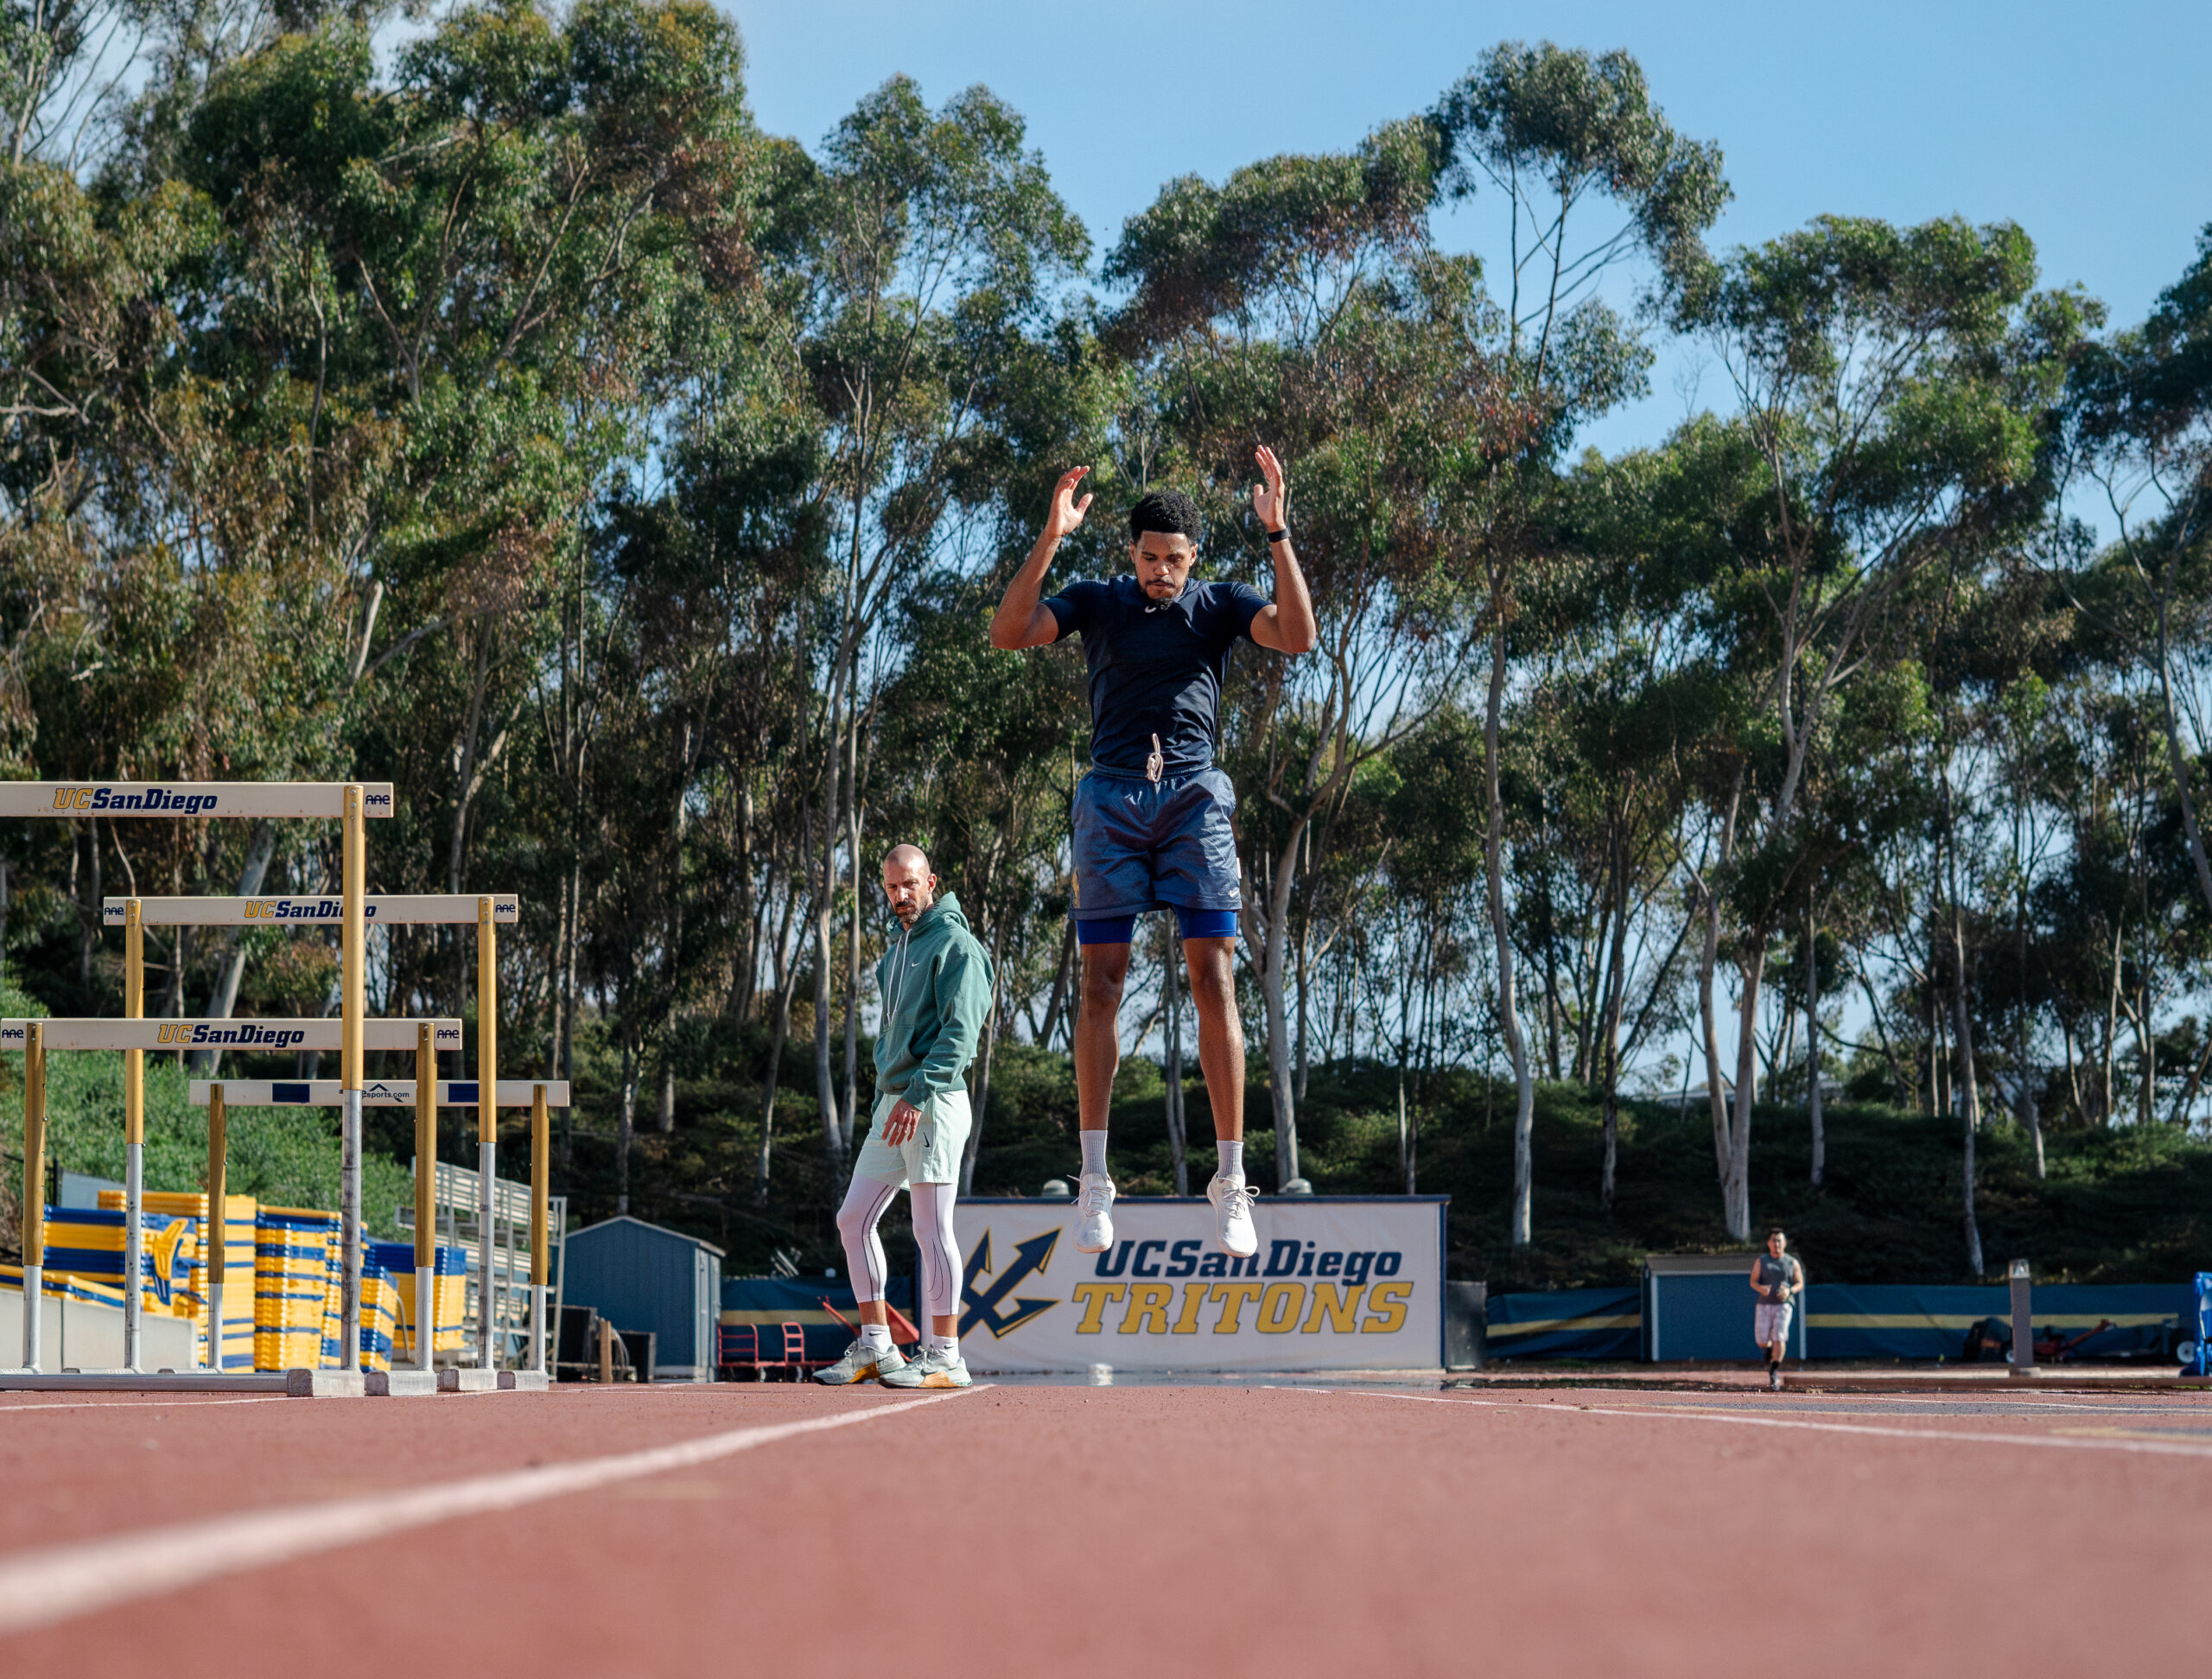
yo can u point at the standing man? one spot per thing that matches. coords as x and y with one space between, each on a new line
1776 1279
935 986
1151 819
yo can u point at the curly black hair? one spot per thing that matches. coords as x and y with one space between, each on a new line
1168 511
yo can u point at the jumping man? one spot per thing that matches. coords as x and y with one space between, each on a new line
934 984
1775 1278
1151 819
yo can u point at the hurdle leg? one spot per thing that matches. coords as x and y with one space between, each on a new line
216 1224
426 1176
33 1195
487 1118
134 1138
540 1203
353 956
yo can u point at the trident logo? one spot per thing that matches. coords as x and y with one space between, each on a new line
982 1306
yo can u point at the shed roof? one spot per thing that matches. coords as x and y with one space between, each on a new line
656 1230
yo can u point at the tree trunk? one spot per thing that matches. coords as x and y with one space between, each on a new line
1736 1187
1509 1018
982 1099
259 850
1060 981
1813 1106
629 1125
1973 1229
1282 1077
664 1121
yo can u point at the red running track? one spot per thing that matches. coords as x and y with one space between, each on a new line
1135 1531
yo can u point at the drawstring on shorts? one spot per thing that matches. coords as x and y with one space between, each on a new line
1155 763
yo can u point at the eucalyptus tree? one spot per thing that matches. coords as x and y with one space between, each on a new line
1895 387
1568 138
934 243
2144 404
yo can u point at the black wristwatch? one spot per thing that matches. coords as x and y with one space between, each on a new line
1274 536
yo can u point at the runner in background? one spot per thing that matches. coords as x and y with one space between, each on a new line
1776 1279
934 984
1151 819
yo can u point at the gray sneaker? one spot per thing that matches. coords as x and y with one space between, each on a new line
859 1364
932 1369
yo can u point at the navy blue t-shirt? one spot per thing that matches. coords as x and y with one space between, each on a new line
1157 667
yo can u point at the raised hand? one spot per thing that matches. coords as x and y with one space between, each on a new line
1271 499
1067 513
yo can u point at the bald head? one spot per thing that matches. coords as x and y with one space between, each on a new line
908 883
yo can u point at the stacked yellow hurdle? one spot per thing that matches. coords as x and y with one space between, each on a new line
362 1342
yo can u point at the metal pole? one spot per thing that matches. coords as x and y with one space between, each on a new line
218 1223
352 941
487 1116
2024 1328
134 1136
34 1194
426 1176
539 1184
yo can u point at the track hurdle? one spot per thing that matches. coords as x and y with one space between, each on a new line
39 1038
486 911
352 804
424 1096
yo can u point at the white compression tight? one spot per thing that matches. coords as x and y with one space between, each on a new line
866 1203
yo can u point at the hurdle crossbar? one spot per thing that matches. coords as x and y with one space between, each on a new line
375 1093
384 909
64 1032
190 799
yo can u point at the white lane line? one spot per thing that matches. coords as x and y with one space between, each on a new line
39 1587
179 1400
2157 1449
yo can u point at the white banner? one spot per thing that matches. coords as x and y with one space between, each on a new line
446 908
189 799
1348 1283
375 1093
258 1035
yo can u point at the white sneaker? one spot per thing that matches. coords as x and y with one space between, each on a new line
1232 1204
859 1364
932 1369
1095 1195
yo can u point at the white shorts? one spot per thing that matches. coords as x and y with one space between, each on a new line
932 1156
1770 1323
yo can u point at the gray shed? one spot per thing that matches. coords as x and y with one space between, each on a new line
639 1276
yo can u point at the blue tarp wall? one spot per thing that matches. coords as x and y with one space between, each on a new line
774 1300
1568 1323
1848 1320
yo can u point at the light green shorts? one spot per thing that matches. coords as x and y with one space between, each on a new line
932 1156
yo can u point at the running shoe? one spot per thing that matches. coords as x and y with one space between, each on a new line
1094 1198
1774 1377
1232 1204
931 1369
859 1364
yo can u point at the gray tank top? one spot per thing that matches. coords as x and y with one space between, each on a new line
1774 1273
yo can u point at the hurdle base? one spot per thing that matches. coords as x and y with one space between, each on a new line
454 1379
119 1381
402 1384
524 1381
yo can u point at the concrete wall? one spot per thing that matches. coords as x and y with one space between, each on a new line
82 1335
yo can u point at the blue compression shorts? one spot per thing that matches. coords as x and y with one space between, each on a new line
1189 924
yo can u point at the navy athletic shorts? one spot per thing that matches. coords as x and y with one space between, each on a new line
1143 845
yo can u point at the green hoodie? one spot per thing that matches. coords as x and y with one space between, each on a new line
936 986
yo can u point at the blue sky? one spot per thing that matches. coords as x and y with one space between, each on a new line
2086 124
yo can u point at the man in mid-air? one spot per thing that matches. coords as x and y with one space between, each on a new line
935 986
1151 819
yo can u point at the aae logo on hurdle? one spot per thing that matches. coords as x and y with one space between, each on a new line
1351 1282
